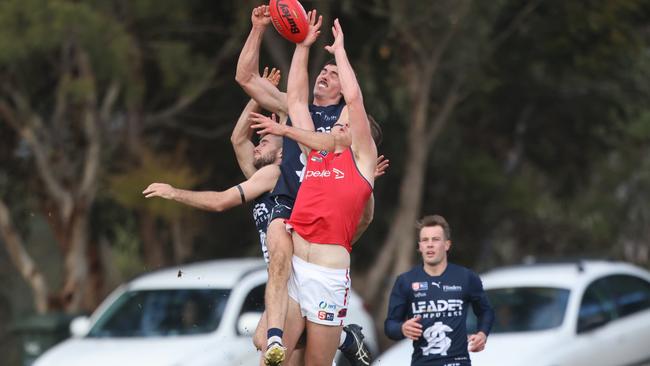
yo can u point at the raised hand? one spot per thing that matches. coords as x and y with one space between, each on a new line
264 124
261 16
315 21
273 76
382 165
337 32
163 190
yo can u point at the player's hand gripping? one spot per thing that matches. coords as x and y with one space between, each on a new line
261 16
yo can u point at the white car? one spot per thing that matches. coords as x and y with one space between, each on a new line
585 313
190 315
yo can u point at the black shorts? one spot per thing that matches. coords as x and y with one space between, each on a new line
282 209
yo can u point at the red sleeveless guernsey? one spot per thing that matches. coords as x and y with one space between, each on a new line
331 199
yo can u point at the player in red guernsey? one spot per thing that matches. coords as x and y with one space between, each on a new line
332 198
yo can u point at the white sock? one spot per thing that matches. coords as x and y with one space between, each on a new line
274 339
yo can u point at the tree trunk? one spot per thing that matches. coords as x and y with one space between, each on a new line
22 260
75 264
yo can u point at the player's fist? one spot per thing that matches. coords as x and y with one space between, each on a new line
412 329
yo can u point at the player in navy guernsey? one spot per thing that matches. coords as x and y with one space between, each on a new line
429 303
326 108
260 165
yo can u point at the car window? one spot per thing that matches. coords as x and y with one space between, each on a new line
254 301
596 308
159 313
524 309
632 294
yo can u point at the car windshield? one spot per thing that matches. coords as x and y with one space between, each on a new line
525 309
160 313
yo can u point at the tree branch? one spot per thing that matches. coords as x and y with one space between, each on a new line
44 168
516 22
186 100
91 130
442 117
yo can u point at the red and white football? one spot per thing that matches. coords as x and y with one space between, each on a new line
289 19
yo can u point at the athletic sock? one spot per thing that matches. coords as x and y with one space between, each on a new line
346 340
273 335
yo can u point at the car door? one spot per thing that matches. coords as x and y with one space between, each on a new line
632 324
592 343
613 323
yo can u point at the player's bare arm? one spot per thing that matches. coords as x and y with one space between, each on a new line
259 183
362 143
298 81
309 139
247 75
242 133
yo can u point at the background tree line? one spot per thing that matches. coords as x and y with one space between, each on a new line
525 123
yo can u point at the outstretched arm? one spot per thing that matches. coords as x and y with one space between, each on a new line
362 143
248 77
298 81
306 138
242 133
259 183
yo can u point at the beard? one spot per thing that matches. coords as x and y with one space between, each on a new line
264 160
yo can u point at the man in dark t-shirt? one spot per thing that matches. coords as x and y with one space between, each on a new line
429 303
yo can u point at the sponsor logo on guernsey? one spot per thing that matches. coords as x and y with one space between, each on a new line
419 286
338 174
343 312
420 294
325 306
437 284
323 315
317 159
453 288
434 309
323 152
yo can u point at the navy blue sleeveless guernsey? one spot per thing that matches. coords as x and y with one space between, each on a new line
293 161
261 210
442 303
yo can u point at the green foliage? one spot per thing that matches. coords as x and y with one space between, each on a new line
125 251
126 188
38 28
180 68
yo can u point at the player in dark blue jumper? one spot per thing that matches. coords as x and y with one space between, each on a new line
326 108
429 303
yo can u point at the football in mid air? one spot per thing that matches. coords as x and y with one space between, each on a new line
289 19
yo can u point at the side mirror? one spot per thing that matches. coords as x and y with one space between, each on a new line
247 323
79 326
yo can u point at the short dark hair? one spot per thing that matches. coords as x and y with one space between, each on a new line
375 130
331 61
433 220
